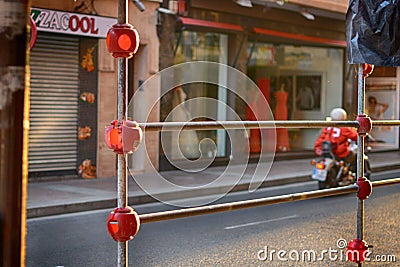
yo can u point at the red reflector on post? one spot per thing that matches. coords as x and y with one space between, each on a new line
124 42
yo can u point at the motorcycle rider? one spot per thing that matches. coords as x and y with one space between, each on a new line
339 138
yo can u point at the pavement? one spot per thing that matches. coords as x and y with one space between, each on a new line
60 196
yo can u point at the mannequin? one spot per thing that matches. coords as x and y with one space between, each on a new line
281 113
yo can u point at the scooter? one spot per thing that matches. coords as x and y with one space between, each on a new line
331 172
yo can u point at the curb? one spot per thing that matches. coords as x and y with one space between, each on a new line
385 168
145 199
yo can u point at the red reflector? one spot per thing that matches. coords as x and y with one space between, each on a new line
320 166
114 226
124 42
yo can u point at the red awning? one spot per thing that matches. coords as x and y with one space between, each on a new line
300 37
238 28
210 24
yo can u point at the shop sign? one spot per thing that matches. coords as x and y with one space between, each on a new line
263 55
71 23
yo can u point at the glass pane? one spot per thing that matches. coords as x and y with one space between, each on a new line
302 83
197 101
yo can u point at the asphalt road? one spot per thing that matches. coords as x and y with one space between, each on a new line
250 237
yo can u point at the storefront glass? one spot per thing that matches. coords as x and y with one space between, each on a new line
197 101
381 103
301 82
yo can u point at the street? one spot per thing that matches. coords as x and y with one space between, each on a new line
249 237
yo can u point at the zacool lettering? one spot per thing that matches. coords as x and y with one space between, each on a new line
58 21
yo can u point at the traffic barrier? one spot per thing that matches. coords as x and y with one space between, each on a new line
122 42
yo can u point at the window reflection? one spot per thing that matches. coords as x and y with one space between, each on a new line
197 46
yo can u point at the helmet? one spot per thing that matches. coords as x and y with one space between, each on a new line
338 114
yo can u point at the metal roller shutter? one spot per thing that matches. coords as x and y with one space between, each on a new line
54 103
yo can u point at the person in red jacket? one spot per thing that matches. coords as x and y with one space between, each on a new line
339 137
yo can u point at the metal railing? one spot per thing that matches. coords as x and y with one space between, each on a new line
363 126
363 187
226 207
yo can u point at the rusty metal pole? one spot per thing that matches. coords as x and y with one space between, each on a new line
360 153
14 123
122 173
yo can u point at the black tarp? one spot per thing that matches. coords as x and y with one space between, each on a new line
373 35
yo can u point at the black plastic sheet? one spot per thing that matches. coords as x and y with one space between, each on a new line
373 34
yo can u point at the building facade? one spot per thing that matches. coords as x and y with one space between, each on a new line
74 85
295 52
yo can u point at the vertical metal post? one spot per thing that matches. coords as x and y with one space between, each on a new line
14 123
122 115
360 153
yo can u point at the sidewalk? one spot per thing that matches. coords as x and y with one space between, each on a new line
74 195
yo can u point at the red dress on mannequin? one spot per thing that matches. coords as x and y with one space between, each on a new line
256 110
281 113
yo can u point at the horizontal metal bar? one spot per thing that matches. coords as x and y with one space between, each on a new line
386 182
252 203
386 123
229 125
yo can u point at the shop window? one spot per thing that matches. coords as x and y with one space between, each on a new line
181 103
381 103
312 78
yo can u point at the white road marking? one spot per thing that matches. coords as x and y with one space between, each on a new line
260 222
